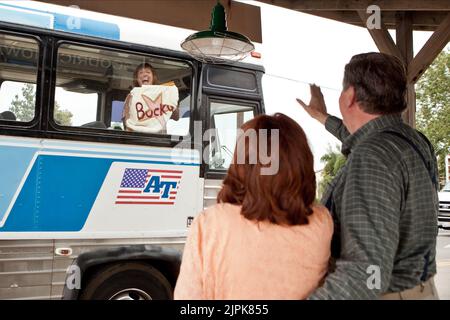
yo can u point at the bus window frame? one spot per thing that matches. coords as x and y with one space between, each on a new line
200 92
210 173
33 124
118 136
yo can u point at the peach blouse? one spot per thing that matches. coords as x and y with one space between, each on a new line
227 256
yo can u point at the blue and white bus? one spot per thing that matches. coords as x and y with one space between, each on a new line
77 191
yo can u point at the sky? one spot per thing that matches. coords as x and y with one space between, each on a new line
297 49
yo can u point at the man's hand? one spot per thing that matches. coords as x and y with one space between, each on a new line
316 108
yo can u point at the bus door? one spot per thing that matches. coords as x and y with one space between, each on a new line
232 96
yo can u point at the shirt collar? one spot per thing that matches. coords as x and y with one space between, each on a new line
371 127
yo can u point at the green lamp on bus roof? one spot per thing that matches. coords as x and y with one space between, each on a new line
218 45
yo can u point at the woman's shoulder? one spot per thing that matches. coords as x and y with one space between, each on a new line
321 216
216 218
320 209
221 211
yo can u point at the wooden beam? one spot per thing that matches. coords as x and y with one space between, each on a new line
404 35
381 37
288 4
423 20
193 14
430 50
404 40
428 18
354 5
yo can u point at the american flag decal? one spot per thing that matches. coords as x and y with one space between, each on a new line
149 186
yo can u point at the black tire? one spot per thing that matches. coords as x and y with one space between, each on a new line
138 280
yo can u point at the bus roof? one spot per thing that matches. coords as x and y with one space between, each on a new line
89 23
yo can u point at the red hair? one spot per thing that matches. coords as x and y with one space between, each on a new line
285 197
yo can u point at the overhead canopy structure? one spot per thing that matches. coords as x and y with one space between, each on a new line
425 14
189 14
402 15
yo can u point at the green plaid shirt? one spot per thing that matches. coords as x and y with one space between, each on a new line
385 211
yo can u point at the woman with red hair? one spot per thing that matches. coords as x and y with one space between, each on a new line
265 238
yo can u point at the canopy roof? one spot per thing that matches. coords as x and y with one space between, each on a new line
425 14
190 14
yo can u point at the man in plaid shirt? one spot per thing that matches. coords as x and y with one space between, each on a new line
384 200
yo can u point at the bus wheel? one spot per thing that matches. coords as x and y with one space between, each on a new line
127 281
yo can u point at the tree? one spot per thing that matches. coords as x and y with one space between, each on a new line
62 117
24 106
334 160
433 101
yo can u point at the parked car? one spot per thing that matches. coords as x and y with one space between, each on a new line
444 207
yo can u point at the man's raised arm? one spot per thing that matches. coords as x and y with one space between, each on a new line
318 110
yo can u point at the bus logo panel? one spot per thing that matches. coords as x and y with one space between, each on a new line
149 186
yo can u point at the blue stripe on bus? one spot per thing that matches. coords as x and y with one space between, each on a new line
171 154
25 16
108 148
87 27
100 153
14 162
59 193
57 21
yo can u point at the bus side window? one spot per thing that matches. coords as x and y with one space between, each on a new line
225 120
101 88
75 108
18 75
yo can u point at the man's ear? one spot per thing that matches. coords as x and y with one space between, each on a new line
349 97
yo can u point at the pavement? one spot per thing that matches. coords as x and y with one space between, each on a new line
442 278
